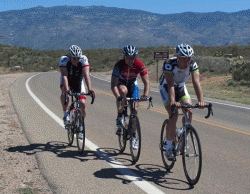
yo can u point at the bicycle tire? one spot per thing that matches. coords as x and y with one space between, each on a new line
134 122
80 142
168 164
122 138
71 129
192 156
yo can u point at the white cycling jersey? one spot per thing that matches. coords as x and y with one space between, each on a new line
75 76
65 59
180 77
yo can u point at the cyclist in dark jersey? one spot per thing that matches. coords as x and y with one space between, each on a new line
173 88
124 80
74 68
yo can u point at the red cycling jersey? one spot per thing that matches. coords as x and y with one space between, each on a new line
129 74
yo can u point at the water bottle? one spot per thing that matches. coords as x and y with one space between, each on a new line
179 132
126 120
73 112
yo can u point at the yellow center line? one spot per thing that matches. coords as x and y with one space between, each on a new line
165 113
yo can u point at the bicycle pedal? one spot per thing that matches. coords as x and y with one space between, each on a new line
118 132
162 147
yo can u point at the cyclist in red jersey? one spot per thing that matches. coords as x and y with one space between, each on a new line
124 80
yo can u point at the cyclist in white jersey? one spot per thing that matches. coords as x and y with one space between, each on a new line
74 68
173 88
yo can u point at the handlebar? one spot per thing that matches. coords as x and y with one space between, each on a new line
77 94
187 105
150 101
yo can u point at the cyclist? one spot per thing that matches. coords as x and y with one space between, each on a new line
74 68
124 82
173 89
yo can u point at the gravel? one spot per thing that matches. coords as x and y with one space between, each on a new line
19 170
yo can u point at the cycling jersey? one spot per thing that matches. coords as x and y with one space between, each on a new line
180 77
75 77
129 75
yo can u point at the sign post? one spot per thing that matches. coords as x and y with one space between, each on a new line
160 55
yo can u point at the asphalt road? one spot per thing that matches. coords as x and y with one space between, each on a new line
225 140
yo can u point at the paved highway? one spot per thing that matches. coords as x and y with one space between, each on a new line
225 139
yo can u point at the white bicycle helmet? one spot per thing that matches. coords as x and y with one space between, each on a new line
130 50
75 51
184 50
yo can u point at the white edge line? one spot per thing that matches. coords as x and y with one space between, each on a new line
192 98
138 181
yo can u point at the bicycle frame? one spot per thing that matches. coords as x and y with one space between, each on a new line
131 130
187 123
131 103
77 126
188 145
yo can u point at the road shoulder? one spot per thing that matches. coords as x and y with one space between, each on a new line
19 170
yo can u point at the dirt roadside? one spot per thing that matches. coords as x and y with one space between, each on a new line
19 170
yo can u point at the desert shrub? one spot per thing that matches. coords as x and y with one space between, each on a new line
241 71
213 64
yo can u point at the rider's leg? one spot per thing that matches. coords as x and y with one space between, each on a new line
190 111
64 106
171 125
83 107
171 134
123 90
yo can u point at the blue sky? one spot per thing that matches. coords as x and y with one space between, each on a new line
154 6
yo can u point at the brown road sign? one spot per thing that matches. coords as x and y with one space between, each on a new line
161 55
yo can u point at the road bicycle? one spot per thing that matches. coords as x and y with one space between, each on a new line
131 127
76 120
187 145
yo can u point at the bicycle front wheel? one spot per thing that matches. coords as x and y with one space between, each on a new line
122 138
71 129
168 164
80 135
135 138
192 155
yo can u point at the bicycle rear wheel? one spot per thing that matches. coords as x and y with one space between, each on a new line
80 141
192 156
168 164
71 129
135 130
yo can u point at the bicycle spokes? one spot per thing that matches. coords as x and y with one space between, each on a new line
192 156
135 138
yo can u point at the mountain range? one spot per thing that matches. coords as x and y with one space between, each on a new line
98 27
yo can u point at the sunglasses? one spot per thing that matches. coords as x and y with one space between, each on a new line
130 57
76 58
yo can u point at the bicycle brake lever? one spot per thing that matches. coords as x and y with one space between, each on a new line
150 102
210 110
93 99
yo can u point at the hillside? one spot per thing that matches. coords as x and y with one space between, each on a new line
102 27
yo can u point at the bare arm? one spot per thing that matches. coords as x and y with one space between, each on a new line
197 88
145 80
85 72
64 74
114 88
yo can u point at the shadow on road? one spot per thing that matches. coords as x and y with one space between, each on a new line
149 172
58 148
